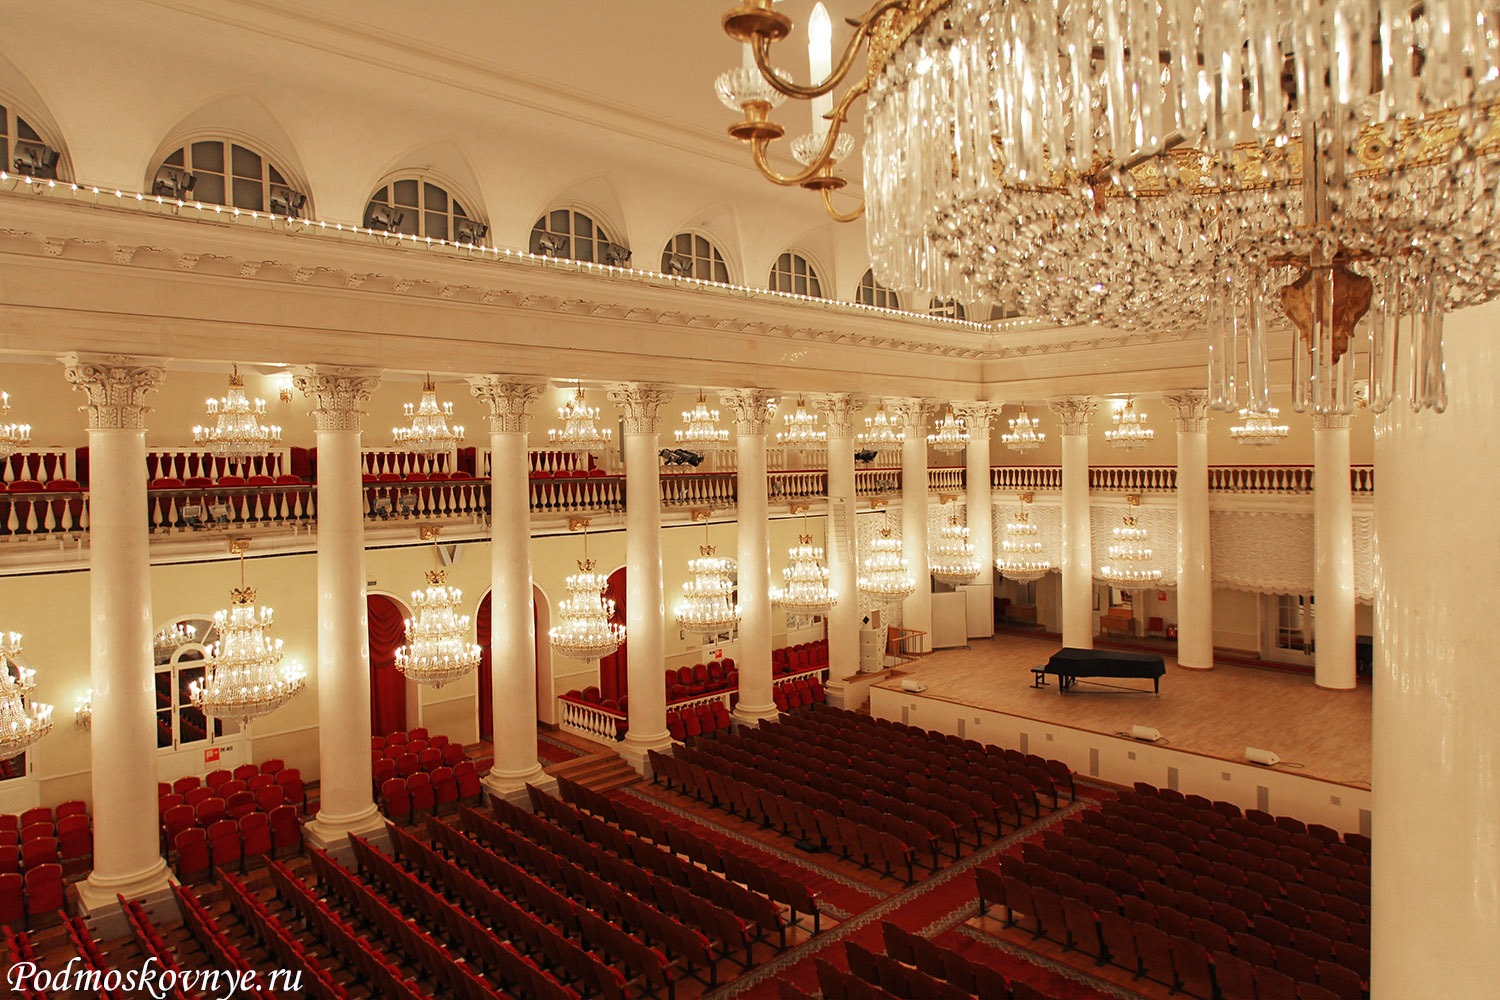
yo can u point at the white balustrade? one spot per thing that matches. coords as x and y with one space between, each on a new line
939 480
696 489
1260 478
1362 479
592 495
1025 478
1132 478
593 722
877 482
806 485
40 466
185 463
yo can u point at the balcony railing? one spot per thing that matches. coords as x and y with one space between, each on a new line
811 484
945 480
1132 478
1253 479
1025 478
697 489
877 482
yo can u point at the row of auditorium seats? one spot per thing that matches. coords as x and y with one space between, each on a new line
700 679
42 836
198 852
914 968
18 949
152 945
204 928
804 691
32 899
703 719
800 657
426 793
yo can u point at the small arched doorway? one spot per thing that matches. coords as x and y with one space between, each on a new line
539 620
614 674
387 627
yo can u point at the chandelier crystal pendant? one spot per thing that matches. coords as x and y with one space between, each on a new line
429 432
880 433
437 647
584 631
801 429
1130 431
236 430
951 558
170 637
1023 435
22 720
883 575
13 437
1130 555
703 431
951 436
579 431
1259 429
708 606
1021 556
244 675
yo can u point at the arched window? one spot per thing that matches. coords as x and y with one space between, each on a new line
693 256
222 172
567 232
24 150
872 293
794 273
418 207
950 308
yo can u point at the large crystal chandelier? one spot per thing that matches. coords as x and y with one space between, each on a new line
437 647
882 573
579 431
951 434
1129 553
1259 428
584 631
1130 431
1021 556
428 433
703 431
1236 167
801 429
951 558
237 431
708 606
806 592
1023 434
880 431
13 437
22 721
243 675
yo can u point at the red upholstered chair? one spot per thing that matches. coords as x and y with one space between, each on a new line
674 726
467 776
73 807
230 787
75 837
690 726
225 845
453 755
396 802
444 788
260 781
291 783
176 819
419 790
430 758
437 741
416 746
202 793
37 831
269 797
381 770
39 851
217 779
239 804
286 832
210 811
246 771
10 859
396 739
377 742
419 733
407 764
12 900
44 894
273 766
255 836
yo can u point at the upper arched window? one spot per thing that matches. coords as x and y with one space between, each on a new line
223 172
418 207
24 150
567 232
950 308
690 255
998 313
872 293
794 273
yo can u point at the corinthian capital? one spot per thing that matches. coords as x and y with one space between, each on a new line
116 386
339 392
751 409
640 404
912 414
1190 407
1074 413
979 418
839 408
509 398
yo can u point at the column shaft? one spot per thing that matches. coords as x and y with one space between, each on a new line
1077 545
979 504
754 556
916 611
843 567
1333 555
1195 594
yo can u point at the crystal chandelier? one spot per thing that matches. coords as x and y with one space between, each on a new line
437 647
806 592
1160 165
951 558
584 631
170 637
243 676
579 432
1021 549
801 429
1023 435
1129 553
237 431
22 721
13 437
1130 431
428 433
708 606
703 430
951 434
882 573
880 431
1259 428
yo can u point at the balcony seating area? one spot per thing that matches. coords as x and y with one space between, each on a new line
415 751
1198 896
713 677
799 658
44 836
706 718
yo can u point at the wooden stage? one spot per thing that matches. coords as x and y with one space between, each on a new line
1214 713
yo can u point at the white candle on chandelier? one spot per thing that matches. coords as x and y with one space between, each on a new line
820 64
747 56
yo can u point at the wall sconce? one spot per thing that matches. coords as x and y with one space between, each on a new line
83 710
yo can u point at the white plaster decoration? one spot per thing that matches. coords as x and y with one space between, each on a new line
1046 516
1160 521
912 414
839 410
1190 407
1268 552
640 405
1074 413
979 418
509 398
1364 556
750 408
338 393
116 386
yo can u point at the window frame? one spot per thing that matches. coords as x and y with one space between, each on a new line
597 242
703 265
812 278
175 665
869 284
227 172
13 120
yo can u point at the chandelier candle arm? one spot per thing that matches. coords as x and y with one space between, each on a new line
13 437
22 720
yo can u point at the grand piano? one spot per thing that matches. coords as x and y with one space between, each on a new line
1069 664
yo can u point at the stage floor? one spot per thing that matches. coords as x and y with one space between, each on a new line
1211 712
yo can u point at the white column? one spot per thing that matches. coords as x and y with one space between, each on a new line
127 855
916 610
1074 414
1195 593
843 567
346 802
1437 693
645 602
1333 554
512 621
979 505
750 409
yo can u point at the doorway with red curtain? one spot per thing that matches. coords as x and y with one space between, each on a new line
387 684
486 682
614 678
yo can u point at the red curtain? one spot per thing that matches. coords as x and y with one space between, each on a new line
614 674
486 683
387 684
